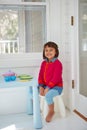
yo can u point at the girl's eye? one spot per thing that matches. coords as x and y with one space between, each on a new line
51 49
46 50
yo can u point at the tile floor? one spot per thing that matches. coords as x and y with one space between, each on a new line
25 122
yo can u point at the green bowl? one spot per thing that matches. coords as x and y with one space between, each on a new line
25 77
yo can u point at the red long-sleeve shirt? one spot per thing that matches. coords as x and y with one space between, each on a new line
51 74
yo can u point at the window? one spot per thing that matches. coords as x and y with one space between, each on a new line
33 0
22 28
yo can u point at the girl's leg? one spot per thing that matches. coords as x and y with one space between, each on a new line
49 98
50 112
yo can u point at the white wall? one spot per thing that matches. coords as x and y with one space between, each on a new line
61 32
54 16
21 63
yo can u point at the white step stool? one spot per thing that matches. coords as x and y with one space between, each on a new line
58 105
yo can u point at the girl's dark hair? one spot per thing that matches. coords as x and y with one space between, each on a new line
53 45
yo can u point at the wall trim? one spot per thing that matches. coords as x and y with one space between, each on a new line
20 60
80 115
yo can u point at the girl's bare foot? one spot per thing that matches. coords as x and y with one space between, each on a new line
49 116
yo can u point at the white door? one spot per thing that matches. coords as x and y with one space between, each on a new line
81 60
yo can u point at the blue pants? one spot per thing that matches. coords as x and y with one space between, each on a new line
52 93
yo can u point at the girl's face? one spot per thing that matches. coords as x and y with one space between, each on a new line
50 53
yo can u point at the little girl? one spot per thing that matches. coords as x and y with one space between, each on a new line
50 76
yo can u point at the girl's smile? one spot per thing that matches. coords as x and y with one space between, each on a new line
50 52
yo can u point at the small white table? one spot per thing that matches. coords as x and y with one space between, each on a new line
33 106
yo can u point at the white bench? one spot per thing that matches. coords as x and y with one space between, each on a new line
58 105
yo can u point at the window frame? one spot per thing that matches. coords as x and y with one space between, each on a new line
30 4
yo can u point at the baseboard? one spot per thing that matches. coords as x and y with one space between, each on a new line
81 115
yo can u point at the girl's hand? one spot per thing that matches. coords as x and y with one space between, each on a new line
41 91
46 90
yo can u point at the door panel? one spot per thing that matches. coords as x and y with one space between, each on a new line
80 63
83 47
